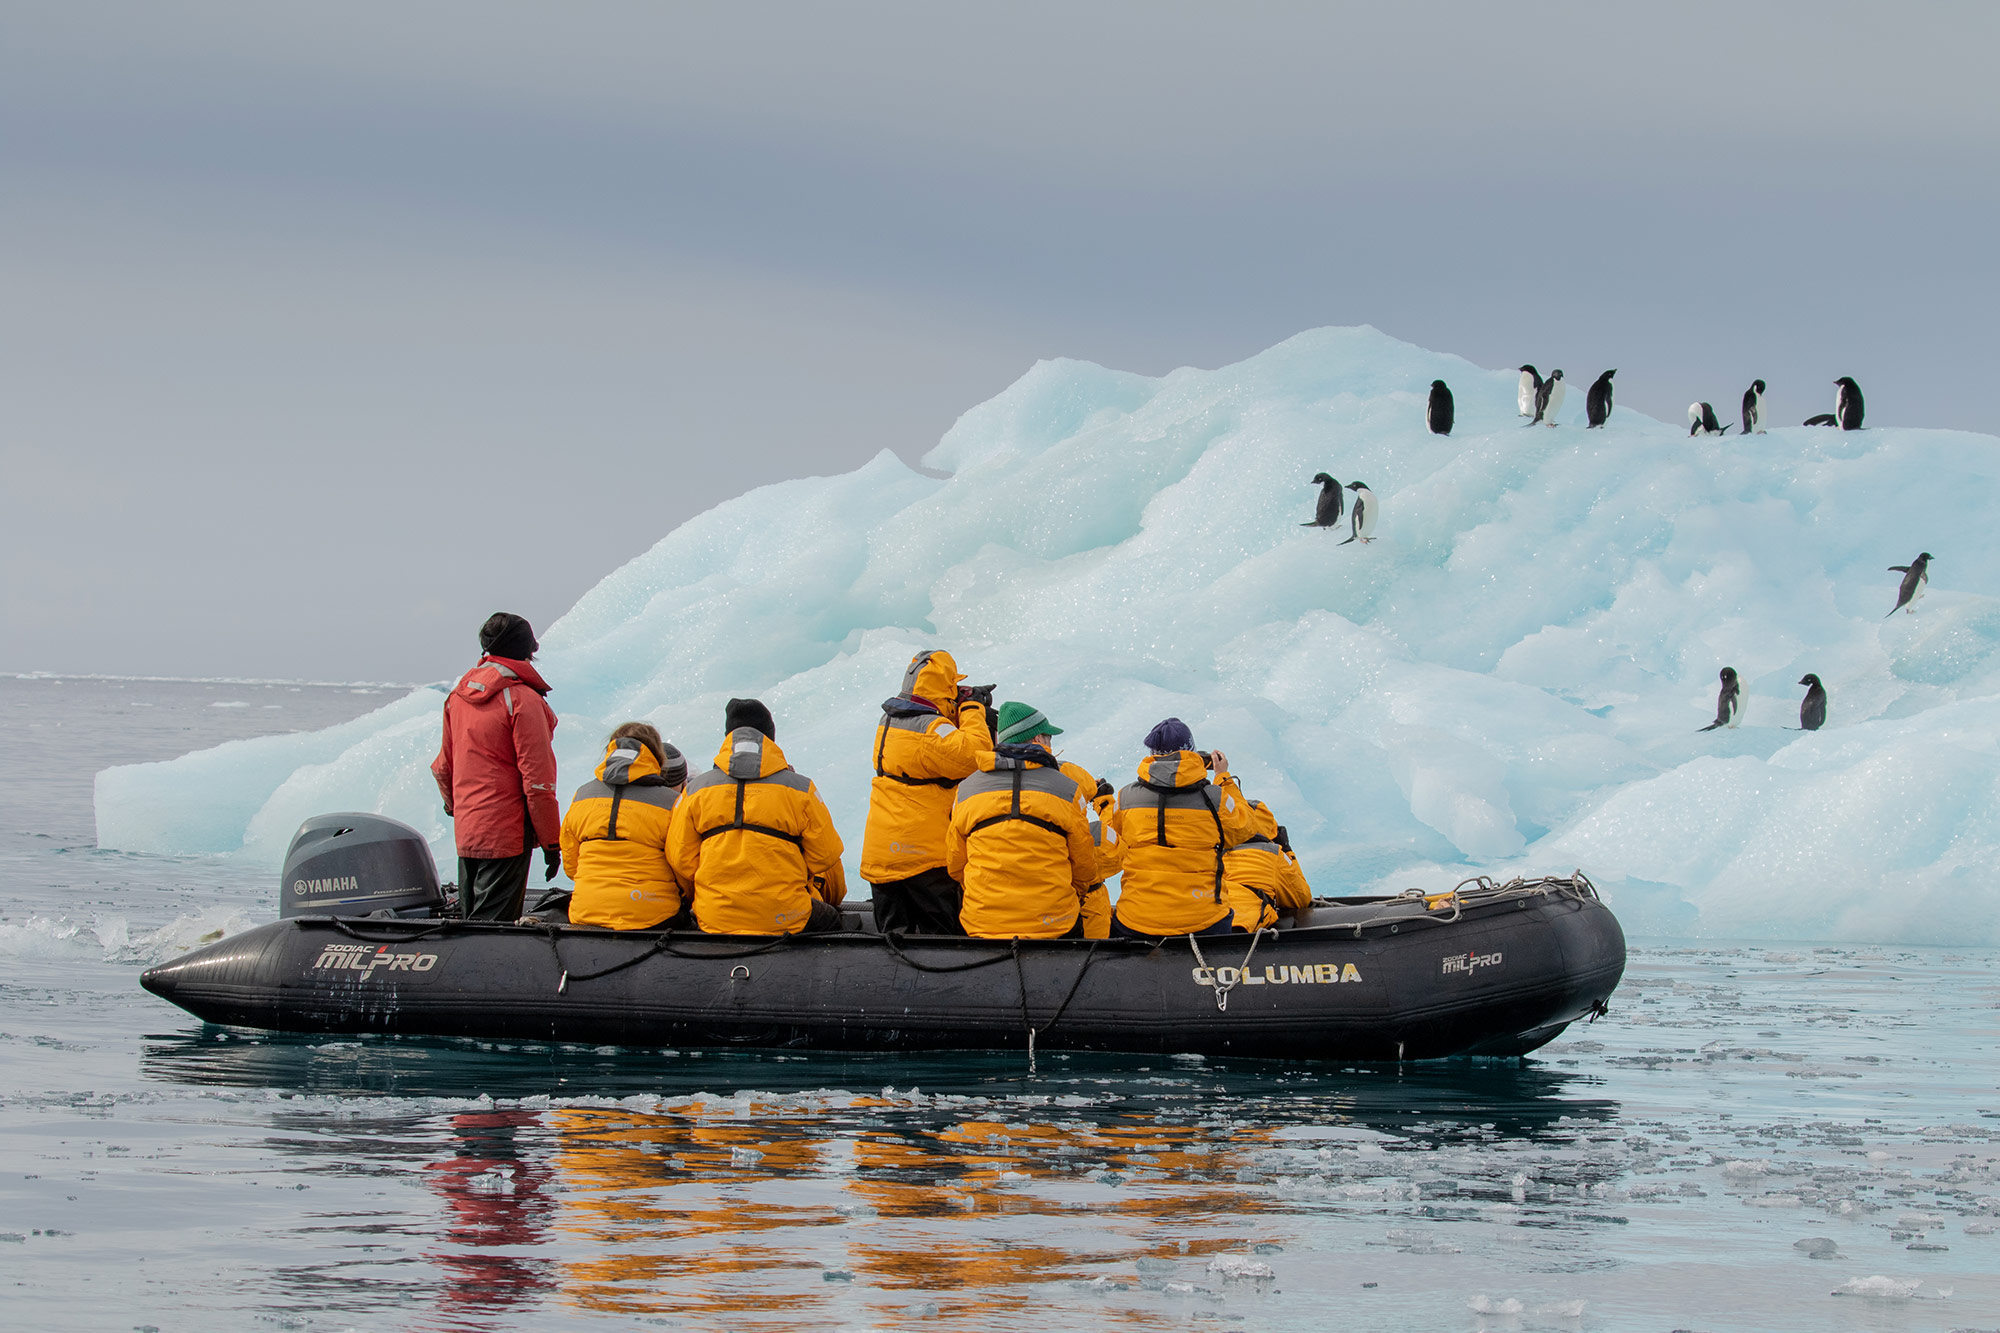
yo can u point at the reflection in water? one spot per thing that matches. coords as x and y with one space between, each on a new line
495 1191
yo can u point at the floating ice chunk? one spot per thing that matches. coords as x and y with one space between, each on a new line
744 1157
1817 1247
1484 1304
1236 1267
1879 1288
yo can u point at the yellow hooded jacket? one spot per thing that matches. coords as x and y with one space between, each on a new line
1097 899
926 743
1019 841
1172 826
755 842
614 842
1263 879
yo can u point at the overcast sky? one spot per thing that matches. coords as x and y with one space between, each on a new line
326 329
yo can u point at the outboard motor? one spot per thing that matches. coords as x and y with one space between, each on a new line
357 865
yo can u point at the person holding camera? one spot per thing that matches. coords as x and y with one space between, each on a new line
1173 827
931 737
1263 877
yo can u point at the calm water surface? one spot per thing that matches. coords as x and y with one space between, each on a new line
1675 1166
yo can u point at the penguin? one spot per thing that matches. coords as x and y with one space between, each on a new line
1364 513
1439 414
1812 708
1597 404
1823 419
1530 391
1703 421
1728 702
1327 513
1847 404
1915 575
1753 408
1548 398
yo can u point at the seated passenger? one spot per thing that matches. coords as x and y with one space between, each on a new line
1172 826
1264 880
614 836
753 841
1020 724
1019 843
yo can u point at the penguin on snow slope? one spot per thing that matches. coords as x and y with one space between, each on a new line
1597 404
1438 414
1728 703
1327 513
1364 513
1549 398
1915 575
1812 708
1530 391
1703 421
1847 404
1753 408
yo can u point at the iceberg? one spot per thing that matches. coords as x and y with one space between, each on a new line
1510 679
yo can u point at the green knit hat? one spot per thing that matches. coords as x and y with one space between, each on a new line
1021 722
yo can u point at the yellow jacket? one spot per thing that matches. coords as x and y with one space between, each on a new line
754 842
1172 826
614 843
1019 841
1263 879
925 744
1097 899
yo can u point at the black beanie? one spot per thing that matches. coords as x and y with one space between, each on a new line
507 635
749 713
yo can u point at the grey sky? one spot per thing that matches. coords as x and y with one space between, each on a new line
327 329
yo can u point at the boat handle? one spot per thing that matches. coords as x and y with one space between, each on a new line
741 972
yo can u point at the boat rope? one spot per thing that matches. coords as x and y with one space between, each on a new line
1021 974
661 944
403 938
1222 988
890 940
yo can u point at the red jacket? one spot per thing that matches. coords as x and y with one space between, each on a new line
496 763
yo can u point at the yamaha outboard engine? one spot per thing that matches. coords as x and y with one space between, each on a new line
358 865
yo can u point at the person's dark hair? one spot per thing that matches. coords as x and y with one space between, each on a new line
646 734
507 635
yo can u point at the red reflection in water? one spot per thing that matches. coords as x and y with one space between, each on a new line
493 1189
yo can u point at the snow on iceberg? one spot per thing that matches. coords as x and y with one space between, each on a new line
1511 678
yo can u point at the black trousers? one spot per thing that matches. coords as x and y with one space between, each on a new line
925 904
491 888
1121 931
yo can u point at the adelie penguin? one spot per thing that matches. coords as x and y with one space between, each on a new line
1812 708
1597 404
1326 514
1915 575
1728 702
1703 421
1530 392
1847 404
1438 414
1549 398
1753 408
1364 513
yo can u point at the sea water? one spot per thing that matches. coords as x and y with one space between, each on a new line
1759 1136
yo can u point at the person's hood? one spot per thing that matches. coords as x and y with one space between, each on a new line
1182 768
1266 822
933 677
1009 756
629 763
490 680
748 753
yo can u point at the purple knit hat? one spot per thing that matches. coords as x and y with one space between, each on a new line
1169 736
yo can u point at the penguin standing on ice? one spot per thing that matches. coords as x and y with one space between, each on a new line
1549 398
1847 404
1364 513
1530 392
1597 404
1812 708
1916 575
1753 408
1703 421
1728 703
1326 514
1438 414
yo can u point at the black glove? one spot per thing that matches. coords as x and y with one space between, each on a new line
552 858
979 694
1284 839
1104 788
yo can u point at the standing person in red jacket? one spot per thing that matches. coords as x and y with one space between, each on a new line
497 772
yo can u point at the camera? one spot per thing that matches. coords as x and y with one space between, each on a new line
1207 758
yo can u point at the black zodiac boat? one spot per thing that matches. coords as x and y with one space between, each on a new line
1484 970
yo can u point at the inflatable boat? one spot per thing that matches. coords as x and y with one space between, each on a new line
1483 969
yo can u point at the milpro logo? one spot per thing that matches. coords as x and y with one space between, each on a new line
1279 974
345 884
1470 962
360 958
